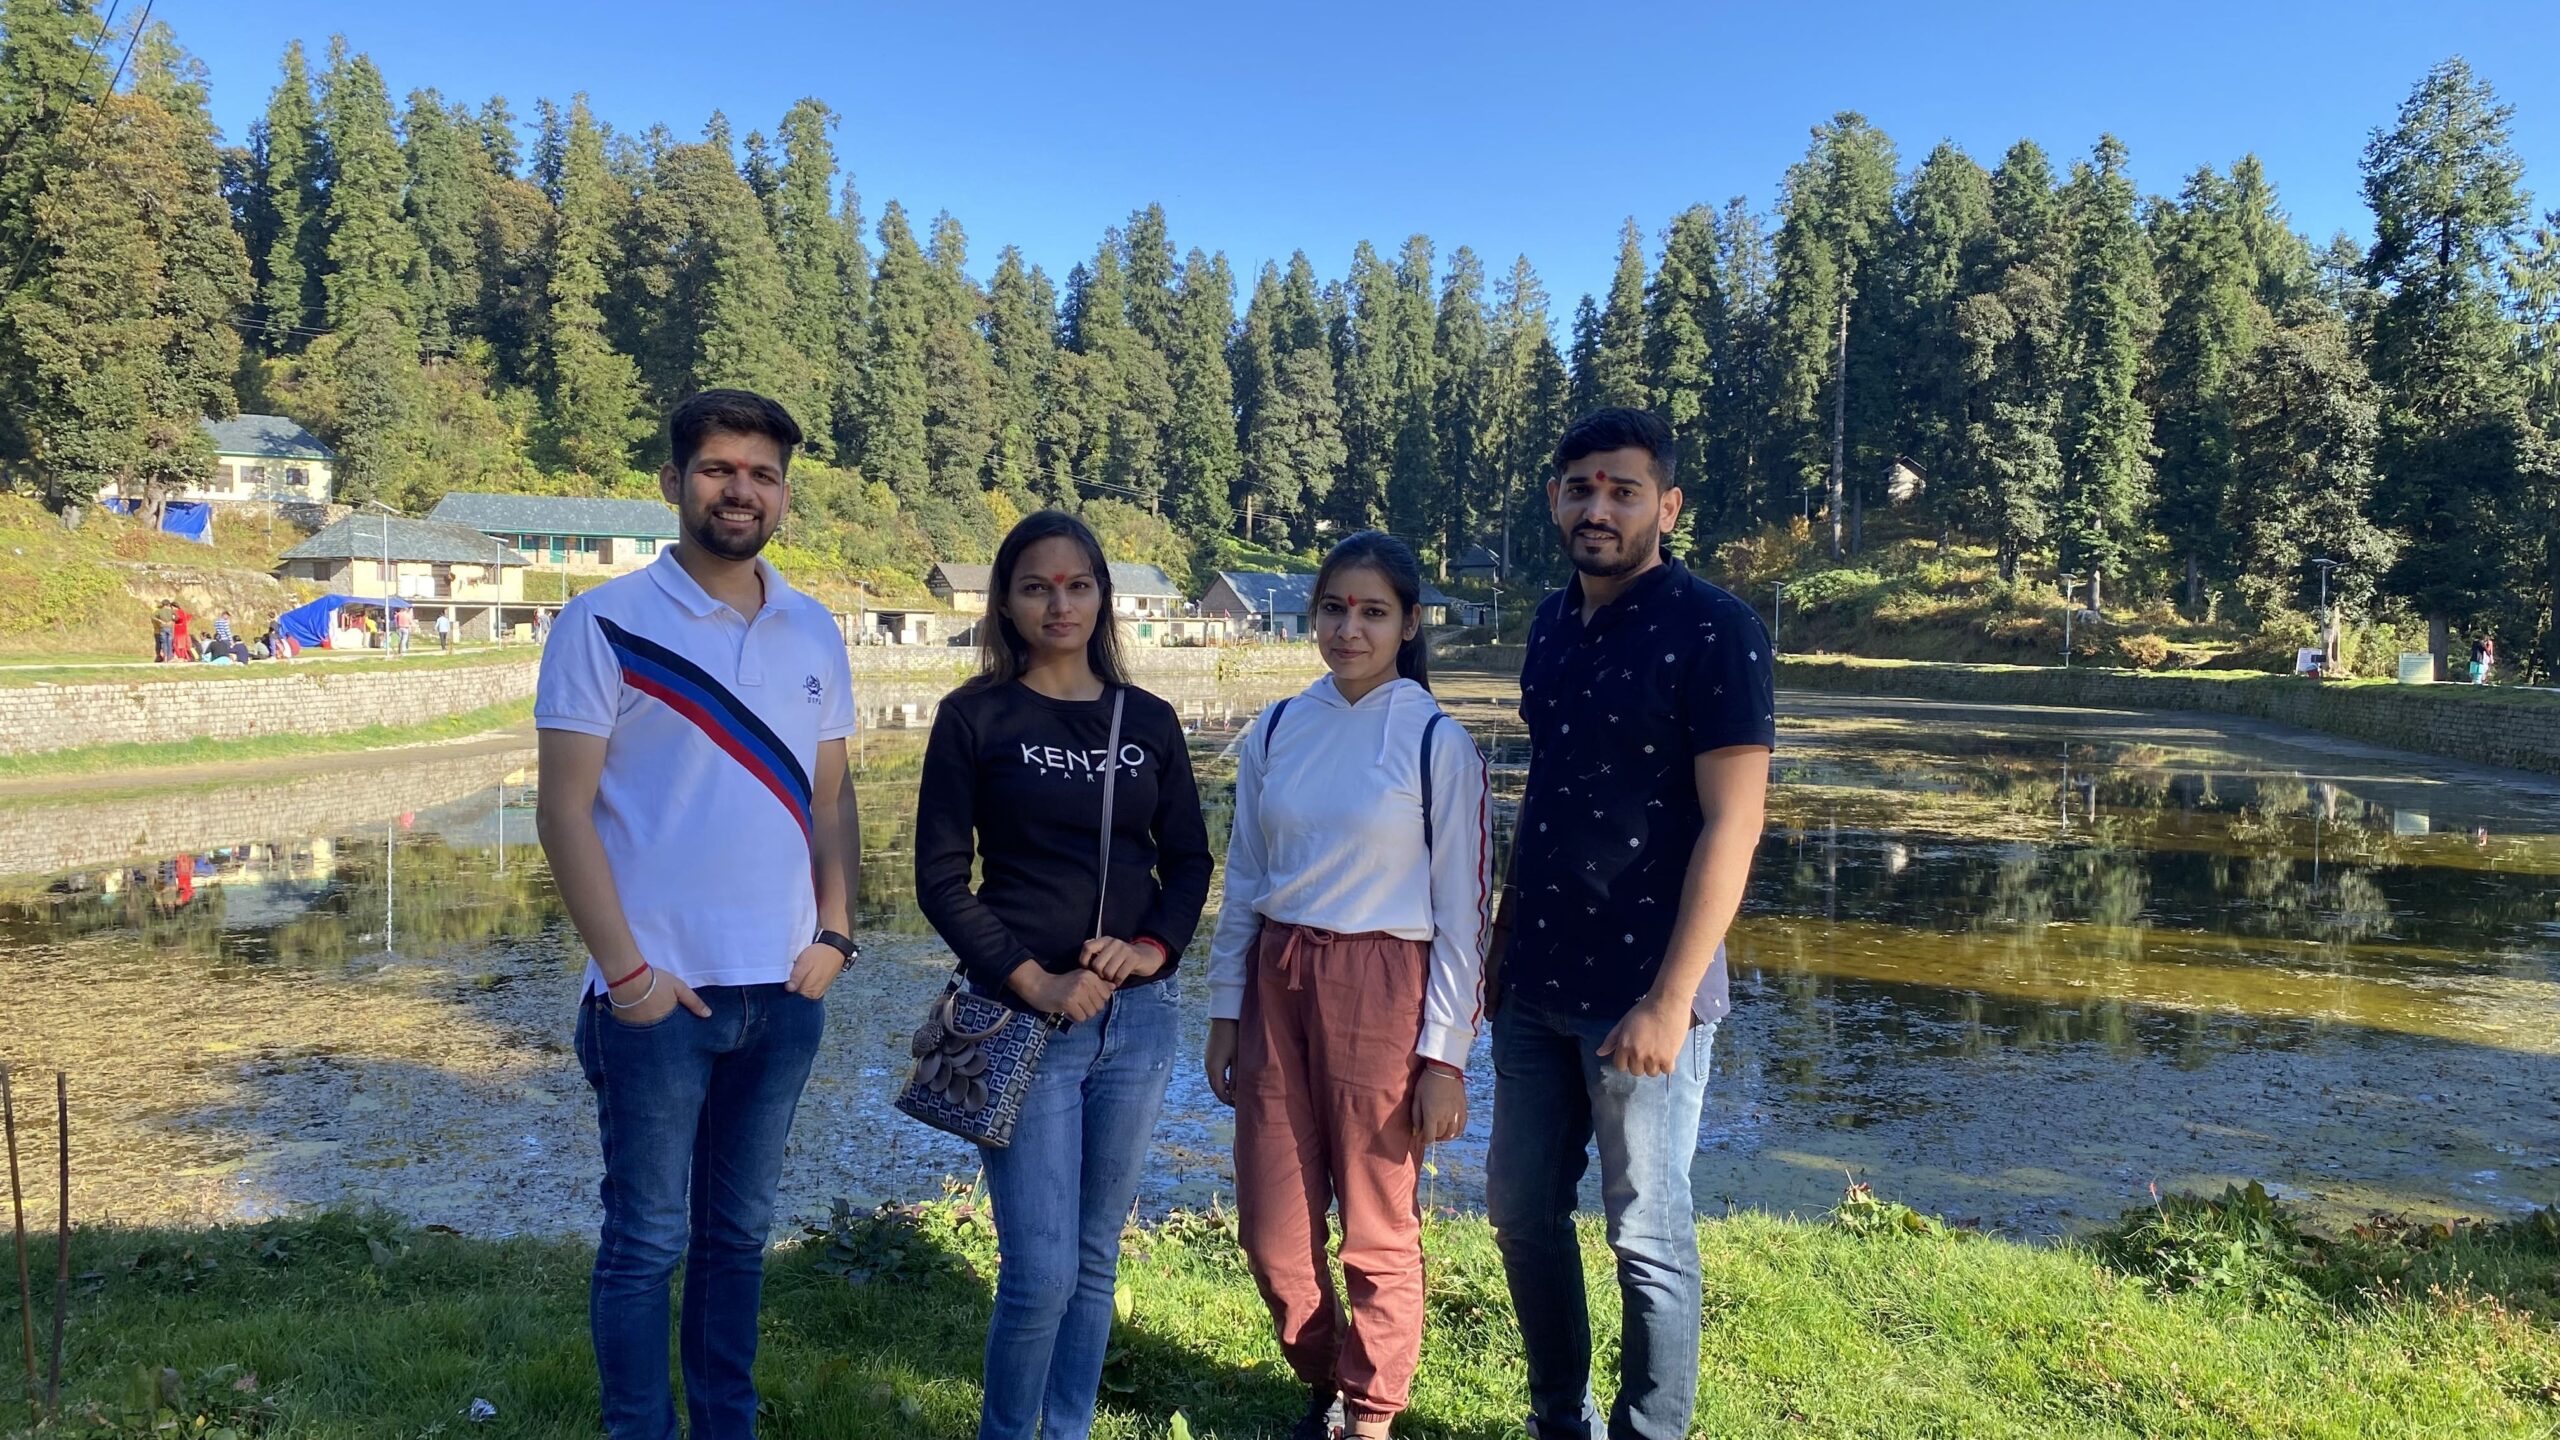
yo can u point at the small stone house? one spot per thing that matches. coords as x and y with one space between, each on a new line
1280 604
373 555
265 458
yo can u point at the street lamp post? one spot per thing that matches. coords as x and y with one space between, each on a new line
384 520
1777 612
2070 607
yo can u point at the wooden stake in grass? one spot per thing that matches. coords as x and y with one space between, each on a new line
61 1243
18 1211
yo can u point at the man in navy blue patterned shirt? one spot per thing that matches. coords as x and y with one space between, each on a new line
1648 696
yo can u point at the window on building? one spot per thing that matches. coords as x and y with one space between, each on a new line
382 570
296 478
647 547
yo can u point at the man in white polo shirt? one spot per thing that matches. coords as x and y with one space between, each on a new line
695 811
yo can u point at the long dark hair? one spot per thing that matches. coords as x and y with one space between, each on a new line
1002 652
1391 557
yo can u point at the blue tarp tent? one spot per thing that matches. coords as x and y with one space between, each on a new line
186 519
308 625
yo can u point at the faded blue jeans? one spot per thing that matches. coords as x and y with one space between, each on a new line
1552 1097
688 1106
1062 1191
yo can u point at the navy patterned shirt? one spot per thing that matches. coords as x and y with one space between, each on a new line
1618 711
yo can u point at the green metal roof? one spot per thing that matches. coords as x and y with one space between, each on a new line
557 515
430 542
266 437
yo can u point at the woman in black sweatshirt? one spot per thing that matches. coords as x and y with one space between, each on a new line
1013 778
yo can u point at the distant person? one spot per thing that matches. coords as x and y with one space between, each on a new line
1009 797
222 630
1345 984
164 631
686 783
444 630
180 621
1648 697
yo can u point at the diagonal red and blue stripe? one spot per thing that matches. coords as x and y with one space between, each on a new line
684 687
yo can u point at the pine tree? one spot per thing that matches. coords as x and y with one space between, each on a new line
1462 355
893 397
1200 449
132 275
1619 374
851 297
2111 312
961 418
746 294
1365 365
810 244
1682 309
2012 326
2211 321
50 72
1838 209
1945 217
1586 364
1415 497
1147 264
1740 420
448 194
370 252
1525 407
286 234
1022 345
592 390
2444 184
1292 444
2305 419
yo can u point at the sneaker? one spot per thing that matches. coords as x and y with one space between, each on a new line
1324 1419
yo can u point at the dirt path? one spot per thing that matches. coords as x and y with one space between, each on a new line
247 772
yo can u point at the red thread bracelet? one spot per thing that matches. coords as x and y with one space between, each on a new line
627 979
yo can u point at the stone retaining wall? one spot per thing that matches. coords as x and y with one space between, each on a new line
310 700
283 700
2493 727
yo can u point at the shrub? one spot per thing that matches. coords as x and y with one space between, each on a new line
2241 1245
1830 587
1773 553
2143 652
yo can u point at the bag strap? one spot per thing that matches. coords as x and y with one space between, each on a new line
1427 727
1271 726
1110 784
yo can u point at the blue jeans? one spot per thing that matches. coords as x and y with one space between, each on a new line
699 1107
1062 1190
1552 1096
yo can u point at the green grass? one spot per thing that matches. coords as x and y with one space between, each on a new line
1879 1324
136 762
129 671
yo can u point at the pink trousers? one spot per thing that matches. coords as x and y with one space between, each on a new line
1325 1074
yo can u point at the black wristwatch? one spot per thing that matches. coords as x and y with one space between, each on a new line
841 944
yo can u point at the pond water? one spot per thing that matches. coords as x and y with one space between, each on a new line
2009 964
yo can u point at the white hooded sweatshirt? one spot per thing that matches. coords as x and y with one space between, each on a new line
1329 835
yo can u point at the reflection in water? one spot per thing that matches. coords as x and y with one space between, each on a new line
2008 964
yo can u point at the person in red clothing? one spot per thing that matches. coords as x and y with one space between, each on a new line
186 648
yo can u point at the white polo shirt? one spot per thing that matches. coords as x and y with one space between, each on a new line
712 725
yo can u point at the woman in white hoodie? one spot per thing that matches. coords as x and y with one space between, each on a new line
1345 982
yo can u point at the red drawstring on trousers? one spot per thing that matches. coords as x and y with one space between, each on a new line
1288 961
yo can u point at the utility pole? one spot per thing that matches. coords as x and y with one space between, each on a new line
2328 622
1777 607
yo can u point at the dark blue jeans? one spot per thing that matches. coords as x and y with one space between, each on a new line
1062 1191
699 1108
1552 1097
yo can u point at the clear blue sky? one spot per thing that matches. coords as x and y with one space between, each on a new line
1514 128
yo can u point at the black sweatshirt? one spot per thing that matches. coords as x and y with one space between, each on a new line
1016 778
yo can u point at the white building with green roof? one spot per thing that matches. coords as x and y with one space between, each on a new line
263 458
567 532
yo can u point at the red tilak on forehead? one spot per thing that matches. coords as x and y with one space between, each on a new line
1600 476
1059 579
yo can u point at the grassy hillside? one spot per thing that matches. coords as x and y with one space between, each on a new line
89 589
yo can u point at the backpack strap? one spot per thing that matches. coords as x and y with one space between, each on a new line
1427 727
1271 725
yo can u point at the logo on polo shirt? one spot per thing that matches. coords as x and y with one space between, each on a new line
814 688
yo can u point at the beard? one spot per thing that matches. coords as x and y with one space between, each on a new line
728 545
1635 549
